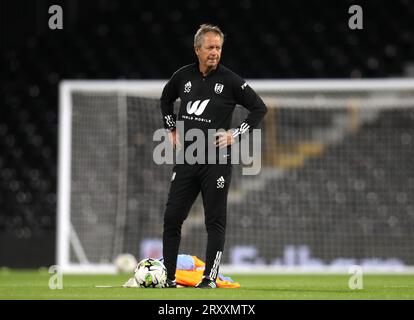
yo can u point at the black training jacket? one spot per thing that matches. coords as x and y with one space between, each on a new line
208 102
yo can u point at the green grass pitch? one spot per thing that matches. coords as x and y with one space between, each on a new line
35 285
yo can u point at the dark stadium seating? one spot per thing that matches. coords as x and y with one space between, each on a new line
359 185
150 40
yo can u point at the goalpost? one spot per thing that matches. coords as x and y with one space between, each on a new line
335 188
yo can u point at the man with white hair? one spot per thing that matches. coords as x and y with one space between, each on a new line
209 93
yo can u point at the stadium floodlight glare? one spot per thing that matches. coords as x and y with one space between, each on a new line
335 187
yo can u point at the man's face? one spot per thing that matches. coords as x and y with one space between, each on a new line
209 52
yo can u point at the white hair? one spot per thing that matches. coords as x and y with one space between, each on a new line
204 28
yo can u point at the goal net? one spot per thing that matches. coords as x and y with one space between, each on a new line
335 188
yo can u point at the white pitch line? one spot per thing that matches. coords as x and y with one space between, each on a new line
104 286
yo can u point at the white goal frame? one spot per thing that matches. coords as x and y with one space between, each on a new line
152 88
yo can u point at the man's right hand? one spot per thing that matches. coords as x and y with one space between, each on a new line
174 139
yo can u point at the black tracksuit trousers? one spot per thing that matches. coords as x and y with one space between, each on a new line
213 181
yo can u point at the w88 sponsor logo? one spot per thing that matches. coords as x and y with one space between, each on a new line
197 107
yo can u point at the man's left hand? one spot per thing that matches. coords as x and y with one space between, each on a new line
224 139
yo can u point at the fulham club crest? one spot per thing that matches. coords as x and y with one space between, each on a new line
218 88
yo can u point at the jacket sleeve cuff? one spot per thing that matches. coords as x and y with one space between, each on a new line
170 122
243 128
